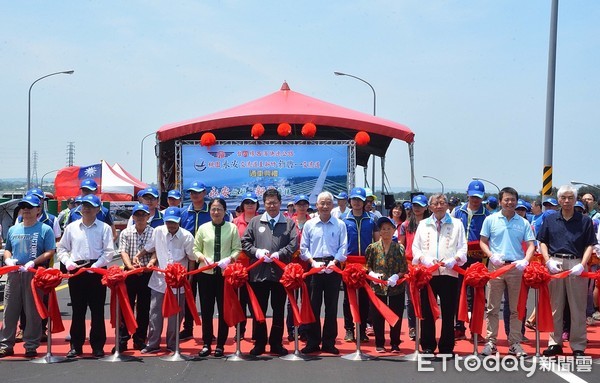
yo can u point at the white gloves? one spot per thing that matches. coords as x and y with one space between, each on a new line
10 262
577 269
70 265
553 266
329 268
261 253
27 266
393 280
275 255
496 260
223 263
375 275
208 262
449 263
427 261
317 264
521 265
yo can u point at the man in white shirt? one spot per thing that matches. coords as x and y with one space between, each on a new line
342 205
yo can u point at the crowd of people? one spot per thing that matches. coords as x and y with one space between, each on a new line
436 232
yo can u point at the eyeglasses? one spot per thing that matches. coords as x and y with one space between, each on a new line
434 204
216 209
272 203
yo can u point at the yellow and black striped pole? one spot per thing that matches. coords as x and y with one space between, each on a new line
547 181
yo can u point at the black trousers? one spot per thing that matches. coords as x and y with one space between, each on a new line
396 304
210 289
444 287
277 293
363 309
324 289
86 290
139 300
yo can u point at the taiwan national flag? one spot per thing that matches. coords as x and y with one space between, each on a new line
68 179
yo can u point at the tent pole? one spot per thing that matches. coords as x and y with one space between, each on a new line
411 156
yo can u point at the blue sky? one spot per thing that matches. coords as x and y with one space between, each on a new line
468 77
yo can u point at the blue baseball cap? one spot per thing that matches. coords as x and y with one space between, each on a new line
420 200
197 186
359 193
37 192
551 201
92 199
301 197
29 200
150 190
407 205
492 202
174 194
89 184
580 204
172 214
476 189
250 196
521 204
140 207
140 193
383 220
342 195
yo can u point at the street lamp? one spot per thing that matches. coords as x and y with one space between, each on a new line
489 182
584 184
142 155
29 124
45 174
433 178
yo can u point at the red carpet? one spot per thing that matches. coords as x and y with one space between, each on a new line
192 346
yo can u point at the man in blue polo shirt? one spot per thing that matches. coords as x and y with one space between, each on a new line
361 230
566 243
502 235
471 214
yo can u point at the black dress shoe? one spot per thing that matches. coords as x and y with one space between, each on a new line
32 353
256 351
279 350
98 353
219 352
204 352
310 349
73 353
578 353
331 350
553 350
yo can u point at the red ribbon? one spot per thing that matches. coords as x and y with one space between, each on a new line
176 277
236 276
47 280
537 276
8 269
355 276
477 276
114 279
419 277
293 279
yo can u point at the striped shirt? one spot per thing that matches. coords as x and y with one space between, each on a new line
131 242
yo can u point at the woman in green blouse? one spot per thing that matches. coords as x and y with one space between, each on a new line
218 242
386 260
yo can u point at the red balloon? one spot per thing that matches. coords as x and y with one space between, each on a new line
362 138
284 129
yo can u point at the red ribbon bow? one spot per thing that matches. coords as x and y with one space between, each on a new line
537 276
236 276
47 280
292 279
114 279
176 277
419 277
355 276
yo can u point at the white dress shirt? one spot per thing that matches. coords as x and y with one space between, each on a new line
86 243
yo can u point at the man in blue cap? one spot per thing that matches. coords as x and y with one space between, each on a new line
28 244
174 198
45 217
491 204
149 197
87 242
362 230
342 205
471 214
90 187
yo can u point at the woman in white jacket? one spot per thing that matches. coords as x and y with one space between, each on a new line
440 239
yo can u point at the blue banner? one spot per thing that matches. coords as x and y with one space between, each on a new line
232 170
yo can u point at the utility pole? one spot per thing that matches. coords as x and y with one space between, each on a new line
70 153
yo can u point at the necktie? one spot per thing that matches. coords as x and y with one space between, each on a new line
272 223
439 226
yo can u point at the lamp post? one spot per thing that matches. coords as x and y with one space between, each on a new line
45 174
142 155
374 114
29 124
433 178
488 181
584 184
